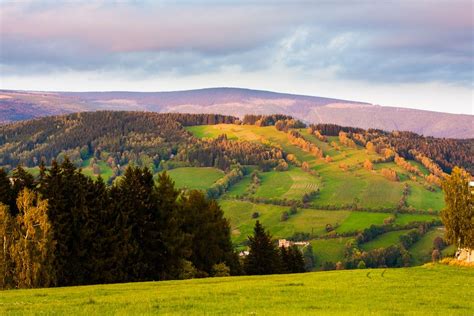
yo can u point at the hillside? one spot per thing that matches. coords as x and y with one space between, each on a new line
420 290
339 185
23 105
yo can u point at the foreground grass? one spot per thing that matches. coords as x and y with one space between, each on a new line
428 290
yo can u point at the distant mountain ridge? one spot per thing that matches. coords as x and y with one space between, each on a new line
22 105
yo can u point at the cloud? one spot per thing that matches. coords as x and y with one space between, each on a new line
401 41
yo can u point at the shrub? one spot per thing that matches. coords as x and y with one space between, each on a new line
255 215
361 265
328 265
435 255
438 243
284 216
329 228
293 210
220 270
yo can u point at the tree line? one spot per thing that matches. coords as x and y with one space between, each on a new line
65 229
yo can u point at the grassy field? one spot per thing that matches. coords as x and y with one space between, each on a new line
427 290
337 186
384 240
328 250
359 220
421 250
195 178
310 221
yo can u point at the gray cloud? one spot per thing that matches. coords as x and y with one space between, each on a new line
359 40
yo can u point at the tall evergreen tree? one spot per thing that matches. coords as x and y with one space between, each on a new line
6 191
134 203
263 257
172 242
204 222
6 234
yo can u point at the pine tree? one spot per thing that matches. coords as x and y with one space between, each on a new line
172 243
134 204
21 179
209 231
6 191
263 255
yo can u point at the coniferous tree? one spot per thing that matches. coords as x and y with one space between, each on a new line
204 222
134 202
6 191
21 179
263 257
173 245
6 234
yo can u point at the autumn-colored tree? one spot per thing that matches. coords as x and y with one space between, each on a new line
368 165
33 245
458 215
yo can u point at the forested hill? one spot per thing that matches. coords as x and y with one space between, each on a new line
24 105
156 139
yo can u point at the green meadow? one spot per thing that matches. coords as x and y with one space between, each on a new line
195 178
425 290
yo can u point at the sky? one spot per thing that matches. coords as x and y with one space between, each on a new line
417 54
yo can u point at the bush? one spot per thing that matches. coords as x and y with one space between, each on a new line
361 265
188 270
438 243
220 270
255 215
435 255
293 210
328 265
329 228
284 216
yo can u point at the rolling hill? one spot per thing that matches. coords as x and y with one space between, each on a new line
340 187
22 105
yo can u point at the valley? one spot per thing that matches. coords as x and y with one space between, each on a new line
336 196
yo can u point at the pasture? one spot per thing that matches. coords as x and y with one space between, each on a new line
195 178
426 290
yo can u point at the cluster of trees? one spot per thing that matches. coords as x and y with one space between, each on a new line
224 183
123 135
271 120
65 229
222 153
297 139
311 130
389 173
265 258
400 161
345 140
334 130
445 152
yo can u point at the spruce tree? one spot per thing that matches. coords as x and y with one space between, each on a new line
171 243
6 191
204 222
263 257
7 236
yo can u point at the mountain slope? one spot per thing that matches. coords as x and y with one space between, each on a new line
21 105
